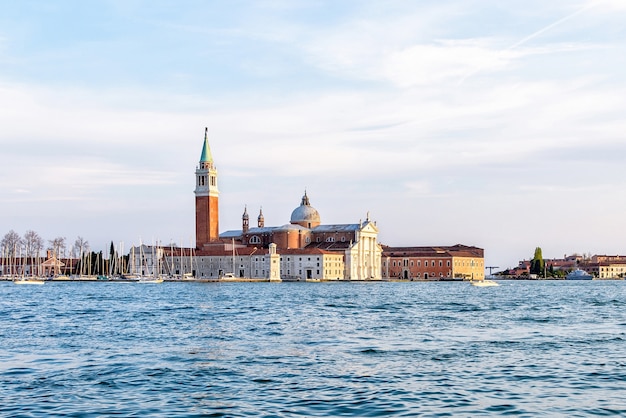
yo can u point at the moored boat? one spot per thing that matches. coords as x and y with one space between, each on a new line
578 274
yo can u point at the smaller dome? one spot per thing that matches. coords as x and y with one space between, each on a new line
289 227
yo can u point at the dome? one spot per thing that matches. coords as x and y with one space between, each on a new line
305 214
289 228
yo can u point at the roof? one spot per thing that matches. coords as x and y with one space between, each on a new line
336 228
231 234
290 227
331 246
454 251
206 150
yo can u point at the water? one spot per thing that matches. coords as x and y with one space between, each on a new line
313 349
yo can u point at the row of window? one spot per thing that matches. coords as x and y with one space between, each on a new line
256 240
202 180
406 263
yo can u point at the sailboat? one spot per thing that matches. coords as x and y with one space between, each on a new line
26 280
154 278
230 277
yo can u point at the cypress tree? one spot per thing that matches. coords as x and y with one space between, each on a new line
537 264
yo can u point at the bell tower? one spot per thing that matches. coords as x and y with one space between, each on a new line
207 197
261 219
245 221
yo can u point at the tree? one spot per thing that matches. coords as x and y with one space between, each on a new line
11 243
33 244
537 265
81 245
57 245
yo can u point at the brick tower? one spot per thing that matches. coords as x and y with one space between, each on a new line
207 197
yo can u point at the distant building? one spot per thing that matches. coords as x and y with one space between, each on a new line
600 266
458 262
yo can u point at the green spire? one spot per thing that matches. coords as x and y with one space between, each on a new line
206 156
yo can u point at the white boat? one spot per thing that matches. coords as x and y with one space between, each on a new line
149 280
484 283
578 274
228 277
28 281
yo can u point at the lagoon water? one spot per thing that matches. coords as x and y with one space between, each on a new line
313 349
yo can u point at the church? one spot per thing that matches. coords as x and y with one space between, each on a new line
302 249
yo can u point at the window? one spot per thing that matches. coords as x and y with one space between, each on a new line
255 240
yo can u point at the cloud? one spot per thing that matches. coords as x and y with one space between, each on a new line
607 5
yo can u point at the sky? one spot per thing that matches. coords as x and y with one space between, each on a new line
495 124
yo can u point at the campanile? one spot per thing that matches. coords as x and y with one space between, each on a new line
207 197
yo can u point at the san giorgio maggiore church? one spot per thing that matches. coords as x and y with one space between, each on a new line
303 249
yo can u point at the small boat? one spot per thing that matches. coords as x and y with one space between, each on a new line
483 283
28 281
578 274
229 277
148 279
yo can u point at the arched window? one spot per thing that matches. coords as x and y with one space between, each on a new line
255 240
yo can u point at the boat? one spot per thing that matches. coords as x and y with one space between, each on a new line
149 279
228 277
578 274
26 280
483 283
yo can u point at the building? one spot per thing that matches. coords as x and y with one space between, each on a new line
600 266
303 249
207 197
458 262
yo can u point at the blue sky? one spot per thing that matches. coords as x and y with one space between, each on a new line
487 123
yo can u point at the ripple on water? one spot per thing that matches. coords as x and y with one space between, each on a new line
340 349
